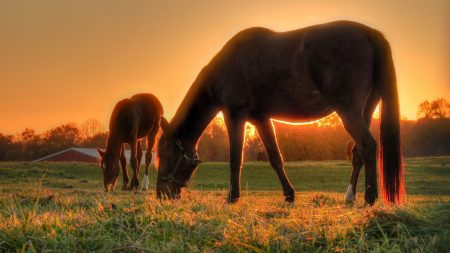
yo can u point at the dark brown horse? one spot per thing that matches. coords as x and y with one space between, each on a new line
132 119
298 75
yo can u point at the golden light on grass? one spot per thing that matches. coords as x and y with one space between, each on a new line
36 214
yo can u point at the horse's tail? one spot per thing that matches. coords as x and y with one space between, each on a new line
391 164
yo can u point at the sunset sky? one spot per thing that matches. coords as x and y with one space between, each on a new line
68 61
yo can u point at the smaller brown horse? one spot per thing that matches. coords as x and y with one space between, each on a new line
132 119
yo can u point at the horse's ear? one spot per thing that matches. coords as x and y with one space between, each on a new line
164 125
101 153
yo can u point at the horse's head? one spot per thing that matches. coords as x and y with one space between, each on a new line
110 169
176 164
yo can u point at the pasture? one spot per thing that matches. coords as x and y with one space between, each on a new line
47 207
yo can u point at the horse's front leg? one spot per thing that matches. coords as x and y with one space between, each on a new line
236 131
123 164
135 161
267 134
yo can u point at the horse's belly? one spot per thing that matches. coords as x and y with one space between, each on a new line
293 100
299 109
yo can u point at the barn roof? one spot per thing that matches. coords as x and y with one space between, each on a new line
90 152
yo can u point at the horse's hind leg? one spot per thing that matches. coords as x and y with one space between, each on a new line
148 156
123 164
267 134
350 195
366 146
236 130
148 160
357 162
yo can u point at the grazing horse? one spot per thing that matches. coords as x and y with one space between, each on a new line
132 119
298 75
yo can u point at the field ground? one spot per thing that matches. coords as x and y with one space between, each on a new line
62 207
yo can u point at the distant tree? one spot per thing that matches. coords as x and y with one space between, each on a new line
424 110
30 142
213 144
331 120
90 128
429 137
6 142
252 146
10 148
436 109
440 108
96 141
262 156
61 137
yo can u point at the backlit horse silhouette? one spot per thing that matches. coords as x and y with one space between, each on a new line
299 75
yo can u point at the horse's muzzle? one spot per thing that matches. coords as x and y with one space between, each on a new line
167 190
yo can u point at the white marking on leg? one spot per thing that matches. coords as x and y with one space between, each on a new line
145 182
350 196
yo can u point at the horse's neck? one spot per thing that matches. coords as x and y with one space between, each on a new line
194 114
113 145
194 123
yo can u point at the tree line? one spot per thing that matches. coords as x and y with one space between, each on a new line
322 140
29 145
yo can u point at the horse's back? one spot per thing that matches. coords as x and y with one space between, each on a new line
149 103
339 58
291 74
150 111
135 116
124 119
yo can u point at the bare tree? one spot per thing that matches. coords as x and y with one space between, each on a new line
440 108
91 128
437 109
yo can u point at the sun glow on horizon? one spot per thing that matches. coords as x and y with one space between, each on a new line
63 66
251 132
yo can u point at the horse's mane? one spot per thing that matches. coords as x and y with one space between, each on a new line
187 104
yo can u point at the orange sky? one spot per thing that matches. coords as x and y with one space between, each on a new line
66 61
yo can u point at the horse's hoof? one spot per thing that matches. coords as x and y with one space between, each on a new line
350 197
134 186
370 195
290 198
145 183
349 201
370 201
124 187
232 199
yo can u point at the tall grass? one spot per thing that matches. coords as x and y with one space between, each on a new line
203 222
43 214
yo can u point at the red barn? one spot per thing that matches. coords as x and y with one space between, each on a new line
87 155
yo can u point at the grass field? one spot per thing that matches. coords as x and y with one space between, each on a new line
47 207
